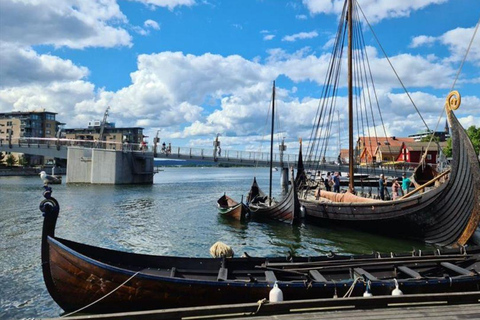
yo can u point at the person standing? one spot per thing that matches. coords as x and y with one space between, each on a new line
336 182
406 183
395 189
381 186
328 182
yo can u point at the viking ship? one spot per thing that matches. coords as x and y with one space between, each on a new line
90 279
228 207
444 209
261 207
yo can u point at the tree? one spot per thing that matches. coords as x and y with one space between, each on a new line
427 138
448 149
10 161
23 161
474 135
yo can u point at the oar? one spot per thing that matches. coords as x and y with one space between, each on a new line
385 259
377 262
424 185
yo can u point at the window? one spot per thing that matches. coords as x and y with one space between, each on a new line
429 157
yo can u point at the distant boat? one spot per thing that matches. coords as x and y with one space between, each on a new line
228 207
97 280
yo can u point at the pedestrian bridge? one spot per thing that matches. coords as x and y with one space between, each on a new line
59 148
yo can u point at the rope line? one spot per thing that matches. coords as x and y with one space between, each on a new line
453 86
101 298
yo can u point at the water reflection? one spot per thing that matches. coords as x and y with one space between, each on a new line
175 216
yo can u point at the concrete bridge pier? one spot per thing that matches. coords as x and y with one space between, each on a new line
104 166
284 178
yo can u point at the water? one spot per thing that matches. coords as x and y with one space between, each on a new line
175 216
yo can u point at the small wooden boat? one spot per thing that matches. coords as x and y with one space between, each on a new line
230 208
261 206
98 280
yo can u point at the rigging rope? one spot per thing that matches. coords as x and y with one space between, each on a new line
453 86
391 65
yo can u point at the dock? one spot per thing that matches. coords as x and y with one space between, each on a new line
464 305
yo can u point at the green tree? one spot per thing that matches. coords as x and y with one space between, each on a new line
474 135
23 161
427 139
448 149
10 161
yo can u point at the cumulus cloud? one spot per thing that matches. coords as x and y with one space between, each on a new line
268 37
457 41
301 35
375 10
22 66
151 24
63 23
195 96
170 4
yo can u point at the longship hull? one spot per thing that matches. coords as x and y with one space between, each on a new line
446 215
79 275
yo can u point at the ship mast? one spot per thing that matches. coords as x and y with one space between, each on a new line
350 95
271 145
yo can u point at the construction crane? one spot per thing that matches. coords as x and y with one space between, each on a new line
102 126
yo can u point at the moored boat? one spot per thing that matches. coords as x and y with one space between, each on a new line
97 280
444 208
228 207
261 206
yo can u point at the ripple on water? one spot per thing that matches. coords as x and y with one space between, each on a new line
177 215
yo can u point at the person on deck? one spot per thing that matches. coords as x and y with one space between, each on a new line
395 189
406 183
381 186
328 182
336 182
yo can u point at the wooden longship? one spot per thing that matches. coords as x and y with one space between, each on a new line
445 211
97 280
445 215
260 207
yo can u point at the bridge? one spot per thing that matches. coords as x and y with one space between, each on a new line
59 148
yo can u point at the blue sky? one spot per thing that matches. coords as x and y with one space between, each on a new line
195 68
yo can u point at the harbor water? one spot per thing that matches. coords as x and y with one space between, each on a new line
176 215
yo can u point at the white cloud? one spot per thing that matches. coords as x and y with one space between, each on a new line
170 4
21 66
301 35
151 24
422 41
63 23
457 41
268 37
375 10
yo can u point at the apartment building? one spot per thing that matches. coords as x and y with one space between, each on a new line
28 124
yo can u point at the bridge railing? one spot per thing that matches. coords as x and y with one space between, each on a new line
225 154
199 153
